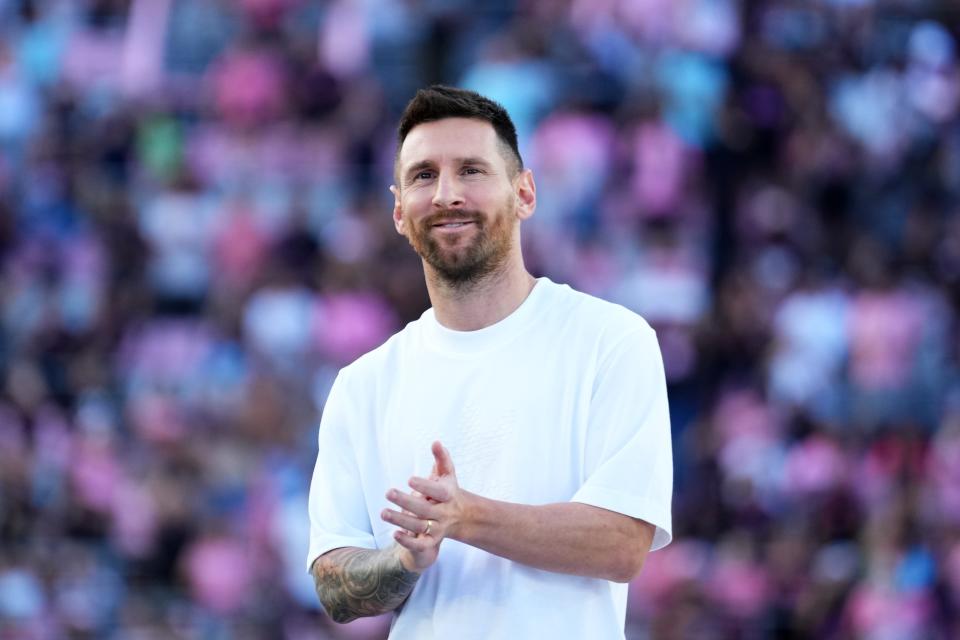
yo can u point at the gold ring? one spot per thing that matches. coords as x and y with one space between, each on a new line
426 531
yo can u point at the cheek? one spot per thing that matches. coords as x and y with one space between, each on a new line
415 205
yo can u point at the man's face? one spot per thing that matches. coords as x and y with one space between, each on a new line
457 200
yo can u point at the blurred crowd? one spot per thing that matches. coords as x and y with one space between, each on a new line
195 235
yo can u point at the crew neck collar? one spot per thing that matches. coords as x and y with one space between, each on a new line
441 338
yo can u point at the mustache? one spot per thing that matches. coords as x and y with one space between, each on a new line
448 216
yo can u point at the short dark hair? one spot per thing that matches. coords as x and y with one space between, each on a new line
438 102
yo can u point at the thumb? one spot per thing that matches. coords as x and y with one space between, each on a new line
444 463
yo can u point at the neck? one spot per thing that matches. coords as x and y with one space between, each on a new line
486 301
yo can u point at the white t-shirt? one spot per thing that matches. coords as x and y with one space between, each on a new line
563 400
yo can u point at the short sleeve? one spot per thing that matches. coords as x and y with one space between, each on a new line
628 457
337 508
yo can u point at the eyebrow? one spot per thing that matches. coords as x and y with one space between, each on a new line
414 168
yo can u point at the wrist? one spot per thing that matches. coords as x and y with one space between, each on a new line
405 558
469 504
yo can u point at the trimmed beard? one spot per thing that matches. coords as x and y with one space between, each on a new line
462 266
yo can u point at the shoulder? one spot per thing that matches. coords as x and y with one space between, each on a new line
366 369
606 321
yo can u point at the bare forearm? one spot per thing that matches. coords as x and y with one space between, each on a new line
571 538
353 583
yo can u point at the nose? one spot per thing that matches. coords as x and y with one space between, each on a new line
447 194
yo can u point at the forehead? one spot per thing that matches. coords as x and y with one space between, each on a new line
448 139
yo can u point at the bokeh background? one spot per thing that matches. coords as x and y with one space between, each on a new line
195 235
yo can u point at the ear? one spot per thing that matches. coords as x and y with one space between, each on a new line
526 192
398 219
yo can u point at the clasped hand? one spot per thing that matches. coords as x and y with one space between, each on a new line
431 512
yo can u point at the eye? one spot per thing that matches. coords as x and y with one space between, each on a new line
471 171
423 175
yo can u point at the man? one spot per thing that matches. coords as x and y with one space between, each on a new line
500 467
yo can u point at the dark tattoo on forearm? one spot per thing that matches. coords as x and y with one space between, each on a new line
353 583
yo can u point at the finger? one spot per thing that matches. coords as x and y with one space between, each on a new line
430 488
412 524
427 498
444 462
418 506
411 542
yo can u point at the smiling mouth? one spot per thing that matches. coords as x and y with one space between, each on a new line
453 225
